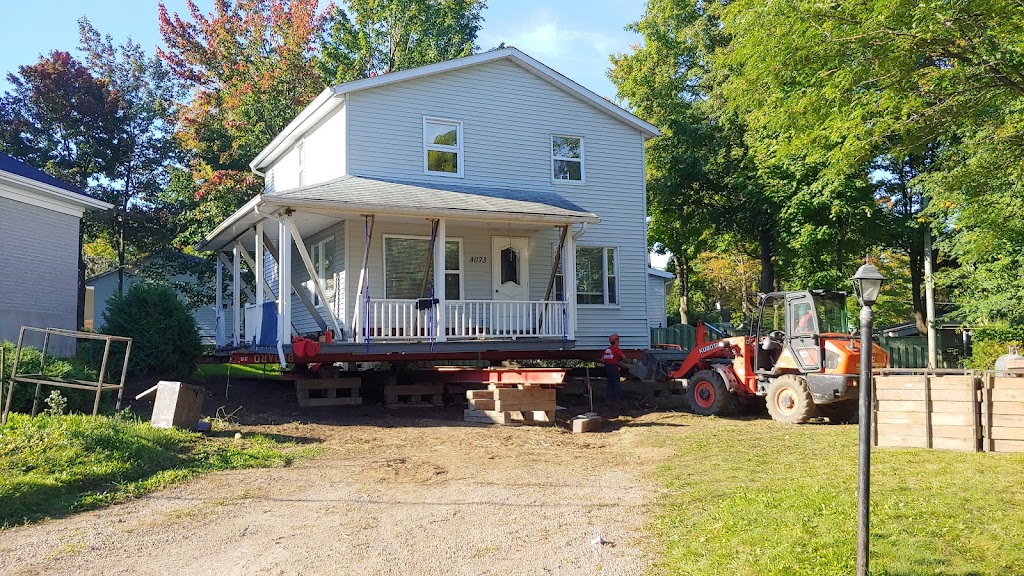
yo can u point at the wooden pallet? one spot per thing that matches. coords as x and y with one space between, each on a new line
328 391
414 395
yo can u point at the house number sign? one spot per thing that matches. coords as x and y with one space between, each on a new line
478 259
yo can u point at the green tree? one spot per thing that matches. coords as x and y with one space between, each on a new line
144 147
373 37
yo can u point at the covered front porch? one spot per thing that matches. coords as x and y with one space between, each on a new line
447 268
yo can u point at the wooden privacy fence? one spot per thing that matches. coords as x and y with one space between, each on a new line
683 335
949 409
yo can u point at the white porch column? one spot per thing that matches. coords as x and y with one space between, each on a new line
569 283
219 303
439 280
258 271
236 297
284 290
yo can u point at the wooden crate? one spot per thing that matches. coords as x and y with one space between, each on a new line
927 410
328 391
1003 412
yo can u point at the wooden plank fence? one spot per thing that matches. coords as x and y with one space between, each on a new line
949 409
682 335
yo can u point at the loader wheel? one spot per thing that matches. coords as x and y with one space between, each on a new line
707 393
789 401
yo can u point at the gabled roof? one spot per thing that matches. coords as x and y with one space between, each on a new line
332 97
386 197
19 172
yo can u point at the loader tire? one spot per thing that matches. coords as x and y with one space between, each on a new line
707 393
789 401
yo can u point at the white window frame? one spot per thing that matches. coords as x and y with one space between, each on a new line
321 272
582 159
460 271
458 150
300 152
604 277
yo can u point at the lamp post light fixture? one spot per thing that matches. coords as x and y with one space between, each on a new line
868 283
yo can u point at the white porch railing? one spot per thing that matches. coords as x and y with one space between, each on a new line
393 319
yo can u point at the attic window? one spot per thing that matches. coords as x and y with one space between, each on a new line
567 158
442 147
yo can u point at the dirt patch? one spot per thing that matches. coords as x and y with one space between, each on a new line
410 491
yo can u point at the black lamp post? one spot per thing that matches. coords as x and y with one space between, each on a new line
868 283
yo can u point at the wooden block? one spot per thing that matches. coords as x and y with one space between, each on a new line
481 404
952 383
487 416
900 417
1007 394
537 416
323 383
506 406
900 394
890 441
525 394
480 394
411 389
581 425
953 407
965 444
1012 421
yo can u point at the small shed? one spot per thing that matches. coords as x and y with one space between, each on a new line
657 292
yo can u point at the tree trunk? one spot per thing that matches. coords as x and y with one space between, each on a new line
682 287
916 253
766 241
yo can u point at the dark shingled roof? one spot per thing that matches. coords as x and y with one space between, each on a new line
14 166
448 195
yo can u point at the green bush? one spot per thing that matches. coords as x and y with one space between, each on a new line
165 340
991 342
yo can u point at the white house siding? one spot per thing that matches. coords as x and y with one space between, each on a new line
508 116
301 318
38 268
656 312
324 147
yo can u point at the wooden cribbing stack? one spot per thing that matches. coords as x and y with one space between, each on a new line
502 404
421 395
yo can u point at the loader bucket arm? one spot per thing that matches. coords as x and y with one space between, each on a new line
716 349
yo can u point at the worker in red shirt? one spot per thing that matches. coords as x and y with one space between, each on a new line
611 358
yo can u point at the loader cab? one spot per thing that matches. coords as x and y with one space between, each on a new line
787 332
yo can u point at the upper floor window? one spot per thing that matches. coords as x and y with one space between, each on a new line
442 147
301 153
567 158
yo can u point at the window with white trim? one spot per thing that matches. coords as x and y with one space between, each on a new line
322 255
597 280
567 158
442 147
301 153
409 268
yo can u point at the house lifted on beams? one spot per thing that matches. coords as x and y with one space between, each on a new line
438 210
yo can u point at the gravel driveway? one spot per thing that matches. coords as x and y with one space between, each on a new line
388 495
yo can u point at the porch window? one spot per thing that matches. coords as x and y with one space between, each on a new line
567 158
596 276
442 147
409 270
322 255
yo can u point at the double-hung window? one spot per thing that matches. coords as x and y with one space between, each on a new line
409 268
442 147
322 255
567 158
596 276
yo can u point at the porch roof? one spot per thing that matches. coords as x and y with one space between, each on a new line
356 195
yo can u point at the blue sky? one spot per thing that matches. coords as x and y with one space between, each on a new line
574 37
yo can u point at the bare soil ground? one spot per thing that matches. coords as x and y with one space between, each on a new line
401 491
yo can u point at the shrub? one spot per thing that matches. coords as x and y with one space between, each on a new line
165 340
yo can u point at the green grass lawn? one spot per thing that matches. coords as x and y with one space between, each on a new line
211 371
762 498
53 465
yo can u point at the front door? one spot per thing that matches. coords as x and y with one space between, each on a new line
510 269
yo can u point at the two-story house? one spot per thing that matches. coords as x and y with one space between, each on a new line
442 208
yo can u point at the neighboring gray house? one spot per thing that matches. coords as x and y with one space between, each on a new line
657 284
101 287
506 172
40 245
